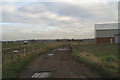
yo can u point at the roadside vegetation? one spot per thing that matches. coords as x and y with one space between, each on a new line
15 62
100 57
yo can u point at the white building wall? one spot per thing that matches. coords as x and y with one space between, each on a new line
108 30
106 33
107 26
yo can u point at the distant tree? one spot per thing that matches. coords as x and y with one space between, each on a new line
72 39
57 40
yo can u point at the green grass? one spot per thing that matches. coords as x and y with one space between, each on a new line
101 57
11 45
13 69
101 50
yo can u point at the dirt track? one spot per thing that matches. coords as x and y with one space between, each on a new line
61 65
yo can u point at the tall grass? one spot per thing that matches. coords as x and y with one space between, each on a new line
13 68
9 56
100 57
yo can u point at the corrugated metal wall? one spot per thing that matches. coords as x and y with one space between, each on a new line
117 39
106 33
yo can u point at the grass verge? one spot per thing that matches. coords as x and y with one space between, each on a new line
102 58
14 69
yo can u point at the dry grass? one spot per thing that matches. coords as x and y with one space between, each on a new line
90 56
102 57
9 56
13 64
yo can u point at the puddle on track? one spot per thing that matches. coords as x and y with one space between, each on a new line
50 54
63 49
42 74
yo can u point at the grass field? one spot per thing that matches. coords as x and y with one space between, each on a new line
14 63
101 57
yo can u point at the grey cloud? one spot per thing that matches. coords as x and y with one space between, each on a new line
67 19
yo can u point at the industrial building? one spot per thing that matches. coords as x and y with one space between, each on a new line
107 33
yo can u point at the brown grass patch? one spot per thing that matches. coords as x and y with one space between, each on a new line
90 56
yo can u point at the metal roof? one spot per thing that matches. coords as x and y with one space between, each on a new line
107 26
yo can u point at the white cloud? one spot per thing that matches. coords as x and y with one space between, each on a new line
60 0
55 20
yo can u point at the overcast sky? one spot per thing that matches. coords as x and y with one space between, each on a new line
55 20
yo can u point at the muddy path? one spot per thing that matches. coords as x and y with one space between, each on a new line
60 64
